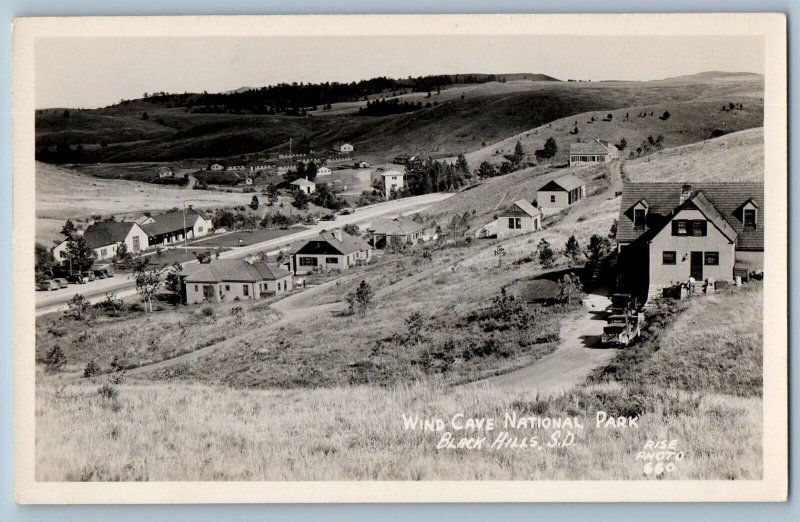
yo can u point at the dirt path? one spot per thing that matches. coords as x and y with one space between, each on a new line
578 353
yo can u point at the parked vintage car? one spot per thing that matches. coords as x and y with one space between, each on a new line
89 275
622 303
102 273
346 211
62 282
622 329
328 217
47 285
78 278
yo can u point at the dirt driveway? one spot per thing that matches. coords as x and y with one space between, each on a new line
578 353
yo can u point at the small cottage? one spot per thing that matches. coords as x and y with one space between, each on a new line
520 218
561 193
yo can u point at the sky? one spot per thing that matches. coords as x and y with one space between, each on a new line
97 71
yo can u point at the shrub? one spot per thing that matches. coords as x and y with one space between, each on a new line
91 369
108 392
208 311
55 359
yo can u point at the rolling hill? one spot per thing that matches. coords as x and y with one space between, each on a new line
488 113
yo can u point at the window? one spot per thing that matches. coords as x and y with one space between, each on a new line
102 253
668 257
308 261
227 288
679 228
711 258
750 218
245 290
135 243
514 223
552 199
331 260
195 288
639 215
199 229
699 227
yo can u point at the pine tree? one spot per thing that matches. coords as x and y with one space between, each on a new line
573 250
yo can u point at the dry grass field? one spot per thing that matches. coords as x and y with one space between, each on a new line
738 156
178 431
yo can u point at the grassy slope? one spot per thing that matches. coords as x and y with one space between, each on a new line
451 127
168 431
738 156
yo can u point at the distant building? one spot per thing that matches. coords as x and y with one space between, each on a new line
669 232
248 180
236 279
392 181
363 165
236 167
324 171
105 238
561 192
334 250
303 185
520 218
166 172
341 147
404 230
216 166
592 152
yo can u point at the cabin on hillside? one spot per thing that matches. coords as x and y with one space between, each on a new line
342 148
403 231
670 232
236 279
335 250
520 218
560 193
324 171
592 152
303 185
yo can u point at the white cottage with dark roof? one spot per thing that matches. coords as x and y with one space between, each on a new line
592 152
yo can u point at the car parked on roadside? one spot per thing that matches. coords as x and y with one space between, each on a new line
328 217
346 211
102 273
89 275
77 278
47 285
62 282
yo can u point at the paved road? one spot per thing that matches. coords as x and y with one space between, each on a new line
123 285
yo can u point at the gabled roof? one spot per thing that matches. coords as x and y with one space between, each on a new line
717 201
326 243
399 227
172 222
595 146
106 233
302 182
236 270
521 208
567 183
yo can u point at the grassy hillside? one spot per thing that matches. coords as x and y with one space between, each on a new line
738 156
169 431
487 114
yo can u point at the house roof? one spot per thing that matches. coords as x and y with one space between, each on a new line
399 227
722 203
327 243
107 233
302 182
237 270
567 183
172 222
521 208
392 173
595 146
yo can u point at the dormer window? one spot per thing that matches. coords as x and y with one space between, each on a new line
750 214
640 214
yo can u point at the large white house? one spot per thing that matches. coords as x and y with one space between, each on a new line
105 239
328 251
392 181
175 226
236 279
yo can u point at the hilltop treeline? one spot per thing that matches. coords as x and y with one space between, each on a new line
296 98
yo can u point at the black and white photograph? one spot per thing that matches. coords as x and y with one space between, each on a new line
409 258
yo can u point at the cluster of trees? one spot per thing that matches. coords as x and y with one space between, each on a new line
648 145
425 177
294 98
62 153
234 218
384 107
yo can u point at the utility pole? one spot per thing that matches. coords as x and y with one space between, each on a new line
290 146
184 223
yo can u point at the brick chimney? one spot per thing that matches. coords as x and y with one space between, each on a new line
686 193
